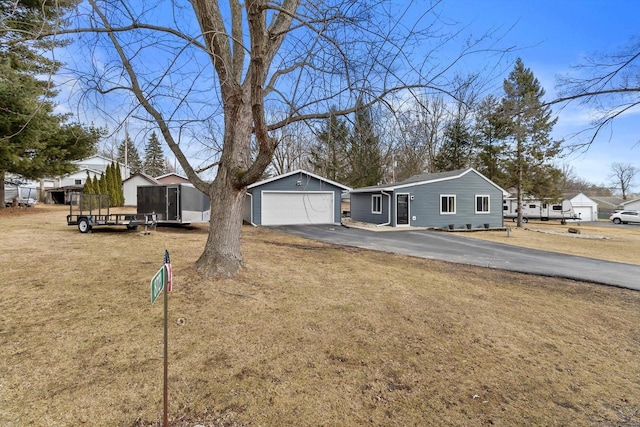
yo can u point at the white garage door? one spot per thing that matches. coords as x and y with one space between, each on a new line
585 213
282 208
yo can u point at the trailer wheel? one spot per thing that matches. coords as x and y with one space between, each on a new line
83 225
525 220
132 227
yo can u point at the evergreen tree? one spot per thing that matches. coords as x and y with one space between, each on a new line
102 182
34 141
88 186
133 157
111 188
529 125
456 148
364 154
153 157
119 187
491 131
328 156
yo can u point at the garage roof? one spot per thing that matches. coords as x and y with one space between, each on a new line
275 178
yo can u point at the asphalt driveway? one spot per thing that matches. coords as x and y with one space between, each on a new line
455 248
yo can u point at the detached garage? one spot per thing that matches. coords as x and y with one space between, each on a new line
584 208
297 197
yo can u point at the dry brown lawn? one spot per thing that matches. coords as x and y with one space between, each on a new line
308 334
613 243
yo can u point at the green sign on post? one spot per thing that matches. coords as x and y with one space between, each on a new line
157 284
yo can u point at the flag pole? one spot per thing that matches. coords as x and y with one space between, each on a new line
166 343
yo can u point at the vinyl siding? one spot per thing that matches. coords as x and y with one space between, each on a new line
361 208
425 205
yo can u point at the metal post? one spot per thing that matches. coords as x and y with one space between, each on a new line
166 360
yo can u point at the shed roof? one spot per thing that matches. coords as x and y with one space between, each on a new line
145 176
284 175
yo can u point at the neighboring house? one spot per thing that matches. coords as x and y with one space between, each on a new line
584 207
95 166
64 186
457 199
171 178
607 205
631 205
130 187
297 197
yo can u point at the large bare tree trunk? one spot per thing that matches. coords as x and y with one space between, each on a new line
221 255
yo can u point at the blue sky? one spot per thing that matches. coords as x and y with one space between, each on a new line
553 35
550 37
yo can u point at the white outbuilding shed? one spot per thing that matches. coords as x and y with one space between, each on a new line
130 187
584 208
632 205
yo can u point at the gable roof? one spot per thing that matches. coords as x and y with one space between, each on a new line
426 179
630 201
275 178
145 176
171 174
611 201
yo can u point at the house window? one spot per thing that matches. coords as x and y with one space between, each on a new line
482 204
447 204
78 182
376 203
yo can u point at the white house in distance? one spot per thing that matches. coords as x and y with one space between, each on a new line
631 205
58 189
94 166
584 207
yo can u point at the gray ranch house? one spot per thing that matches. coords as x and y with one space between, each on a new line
457 199
297 197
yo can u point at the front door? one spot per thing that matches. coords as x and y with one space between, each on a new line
402 209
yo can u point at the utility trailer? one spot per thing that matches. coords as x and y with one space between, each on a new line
174 203
537 209
91 210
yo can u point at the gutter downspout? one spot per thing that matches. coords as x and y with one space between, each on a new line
251 209
388 211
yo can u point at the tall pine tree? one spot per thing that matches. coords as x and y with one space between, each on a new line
153 157
529 124
329 157
364 154
34 142
132 156
490 133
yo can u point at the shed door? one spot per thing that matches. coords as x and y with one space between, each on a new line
288 208
173 209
